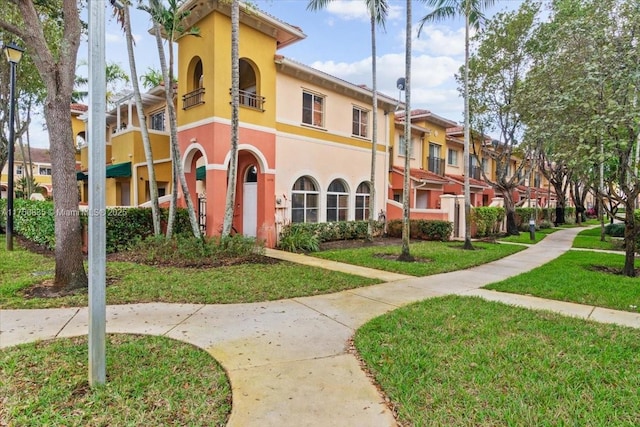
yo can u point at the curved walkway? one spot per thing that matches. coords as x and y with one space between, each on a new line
288 360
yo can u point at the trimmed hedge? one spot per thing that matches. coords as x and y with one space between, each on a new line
487 219
330 231
35 220
422 229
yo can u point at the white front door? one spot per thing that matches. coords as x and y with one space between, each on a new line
250 209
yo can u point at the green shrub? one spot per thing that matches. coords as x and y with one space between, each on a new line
35 220
296 237
335 230
523 215
422 229
487 219
187 250
545 225
614 230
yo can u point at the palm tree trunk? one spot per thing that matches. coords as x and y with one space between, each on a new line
405 255
167 74
153 185
467 136
374 129
235 90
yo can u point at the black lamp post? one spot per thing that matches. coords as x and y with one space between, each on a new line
14 55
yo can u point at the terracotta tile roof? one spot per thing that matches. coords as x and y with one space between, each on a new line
423 175
79 107
38 155
472 181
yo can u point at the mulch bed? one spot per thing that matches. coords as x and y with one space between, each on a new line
610 270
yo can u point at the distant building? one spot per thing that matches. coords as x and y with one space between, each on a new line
37 165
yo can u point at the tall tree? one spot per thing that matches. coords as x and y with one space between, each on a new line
405 254
588 49
232 176
124 17
473 18
30 92
496 72
168 19
51 33
378 11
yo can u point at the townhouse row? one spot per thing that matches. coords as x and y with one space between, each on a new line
305 138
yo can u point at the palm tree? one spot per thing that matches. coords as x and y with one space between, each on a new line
378 11
405 255
473 17
168 19
124 18
235 106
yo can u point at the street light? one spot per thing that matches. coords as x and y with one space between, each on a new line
14 55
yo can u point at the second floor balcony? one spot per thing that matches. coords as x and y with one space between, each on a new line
251 100
193 98
435 165
475 172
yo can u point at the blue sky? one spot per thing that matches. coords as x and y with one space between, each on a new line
338 42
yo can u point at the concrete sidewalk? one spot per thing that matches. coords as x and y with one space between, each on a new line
287 360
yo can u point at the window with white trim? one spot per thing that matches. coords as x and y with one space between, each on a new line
18 169
157 120
363 193
312 109
402 146
44 171
337 201
304 200
360 122
452 157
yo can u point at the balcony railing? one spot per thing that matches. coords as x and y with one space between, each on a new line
475 172
193 98
436 165
251 100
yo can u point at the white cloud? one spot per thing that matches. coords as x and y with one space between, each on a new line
356 10
433 85
349 9
439 41
119 38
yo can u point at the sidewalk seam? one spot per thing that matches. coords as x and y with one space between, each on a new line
184 320
67 322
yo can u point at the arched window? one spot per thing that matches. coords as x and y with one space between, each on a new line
251 174
363 193
337 201
250 85
304 200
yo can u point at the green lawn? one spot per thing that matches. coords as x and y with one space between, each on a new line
525 237
152 381
570 277
590 239
433 257
460 361
134 283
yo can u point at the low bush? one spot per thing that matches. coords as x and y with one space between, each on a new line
296 239
487 219
543 225
187 250
296 236
35 220
422 229
614 230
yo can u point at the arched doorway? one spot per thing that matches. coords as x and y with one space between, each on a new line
250 201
